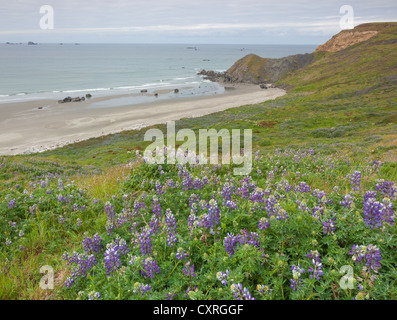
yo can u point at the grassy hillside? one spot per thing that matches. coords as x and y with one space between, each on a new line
339 117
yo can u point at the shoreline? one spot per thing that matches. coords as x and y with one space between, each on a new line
37 126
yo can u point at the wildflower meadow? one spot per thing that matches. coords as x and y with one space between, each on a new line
301 225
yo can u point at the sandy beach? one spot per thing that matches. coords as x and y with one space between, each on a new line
36 126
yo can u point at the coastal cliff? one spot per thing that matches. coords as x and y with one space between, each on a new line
256 70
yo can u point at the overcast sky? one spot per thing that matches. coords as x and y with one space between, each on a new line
182 21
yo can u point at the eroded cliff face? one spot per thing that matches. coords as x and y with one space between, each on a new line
344 39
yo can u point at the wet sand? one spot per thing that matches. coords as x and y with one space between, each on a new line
36 126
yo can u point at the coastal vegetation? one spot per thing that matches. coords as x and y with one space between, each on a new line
322 195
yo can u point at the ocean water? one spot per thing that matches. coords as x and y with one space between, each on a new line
32 72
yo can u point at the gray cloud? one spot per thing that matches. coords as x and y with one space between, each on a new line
212 21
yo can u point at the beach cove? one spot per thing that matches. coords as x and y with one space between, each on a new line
40 125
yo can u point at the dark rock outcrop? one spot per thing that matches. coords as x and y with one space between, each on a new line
69 99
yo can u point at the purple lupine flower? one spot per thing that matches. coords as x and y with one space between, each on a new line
257 196
243 191
145 241
355 180
317 212
319 193
156 209
254 239
159 188
347 201
170 220
263 224
369 194
222 276
373 214
150 267
187 182
302 205
12 204
243 237
191 220
287 186
271 203
93 245
230 242
171 239
193 199
239 293
303 187
69 282
197 183
296 280
213 214
227 191
141 289
84 264
328 227
112 259
370 254
61 219
154 225
112 256
317 265
281 214
189 270
386 188
230 204
170 183
181 254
